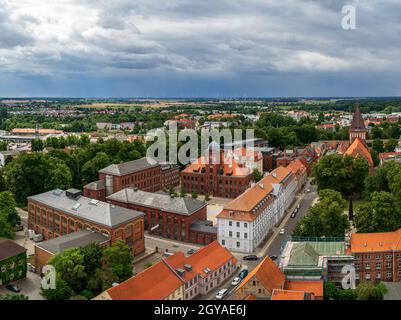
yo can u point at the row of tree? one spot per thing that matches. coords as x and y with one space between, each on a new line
32 173
83 273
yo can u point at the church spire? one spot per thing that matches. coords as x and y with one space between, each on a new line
358 129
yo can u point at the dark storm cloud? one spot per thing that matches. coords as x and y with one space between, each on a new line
208 48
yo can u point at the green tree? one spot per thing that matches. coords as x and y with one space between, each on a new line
326 218
8 208
91 168
381 214
257 176
377 145
14 297
183 192
6 230
59 175
62 290
70 265
369 291
118 259
194 195
391 144
37 145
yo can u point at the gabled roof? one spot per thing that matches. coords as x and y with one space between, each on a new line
315 287
9 248
210 257
183 206
98 212
375 242
268 274
297 167
95 185
72 240
154 283
129 167
279 294
304 254
358 148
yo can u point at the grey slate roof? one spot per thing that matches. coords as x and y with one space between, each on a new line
129 167
98 212
96 185
184 206
9 248
203 226
72 240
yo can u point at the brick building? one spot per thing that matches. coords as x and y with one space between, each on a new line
56 213
377 256
145 174
216 175
178 277
168 216
45 250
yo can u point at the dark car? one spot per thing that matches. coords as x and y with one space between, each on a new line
273 257
191 251
251 257
243 274
13 288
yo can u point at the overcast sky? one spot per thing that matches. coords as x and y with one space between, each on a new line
188 48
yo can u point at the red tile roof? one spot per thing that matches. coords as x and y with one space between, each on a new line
243 205
279 294
154 283
212 256
268 274
375 242
358 148
315 287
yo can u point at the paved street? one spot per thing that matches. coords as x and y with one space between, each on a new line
30 286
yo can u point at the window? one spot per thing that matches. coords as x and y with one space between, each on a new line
245 225
367 276
357 266
378 275
230 223
230 233
389 265
367 266
223 242
238 235
238 224
245 235
389 274
238 245
378 265
378 257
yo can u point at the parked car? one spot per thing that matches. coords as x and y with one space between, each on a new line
19 227
250 257
236 281
191 251
221 294
273 257
243 274
308 190
13 288
282 231
293 214
298 206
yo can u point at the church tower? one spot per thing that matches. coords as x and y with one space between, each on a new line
358 129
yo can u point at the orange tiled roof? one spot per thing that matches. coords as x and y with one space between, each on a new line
296 166
375 242
212 256
358 148
315 287
279 294
247 201
33 131
230 166
385 155
268 274
154 283
250 297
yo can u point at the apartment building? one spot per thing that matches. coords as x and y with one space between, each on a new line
178 277
247 220
377 256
